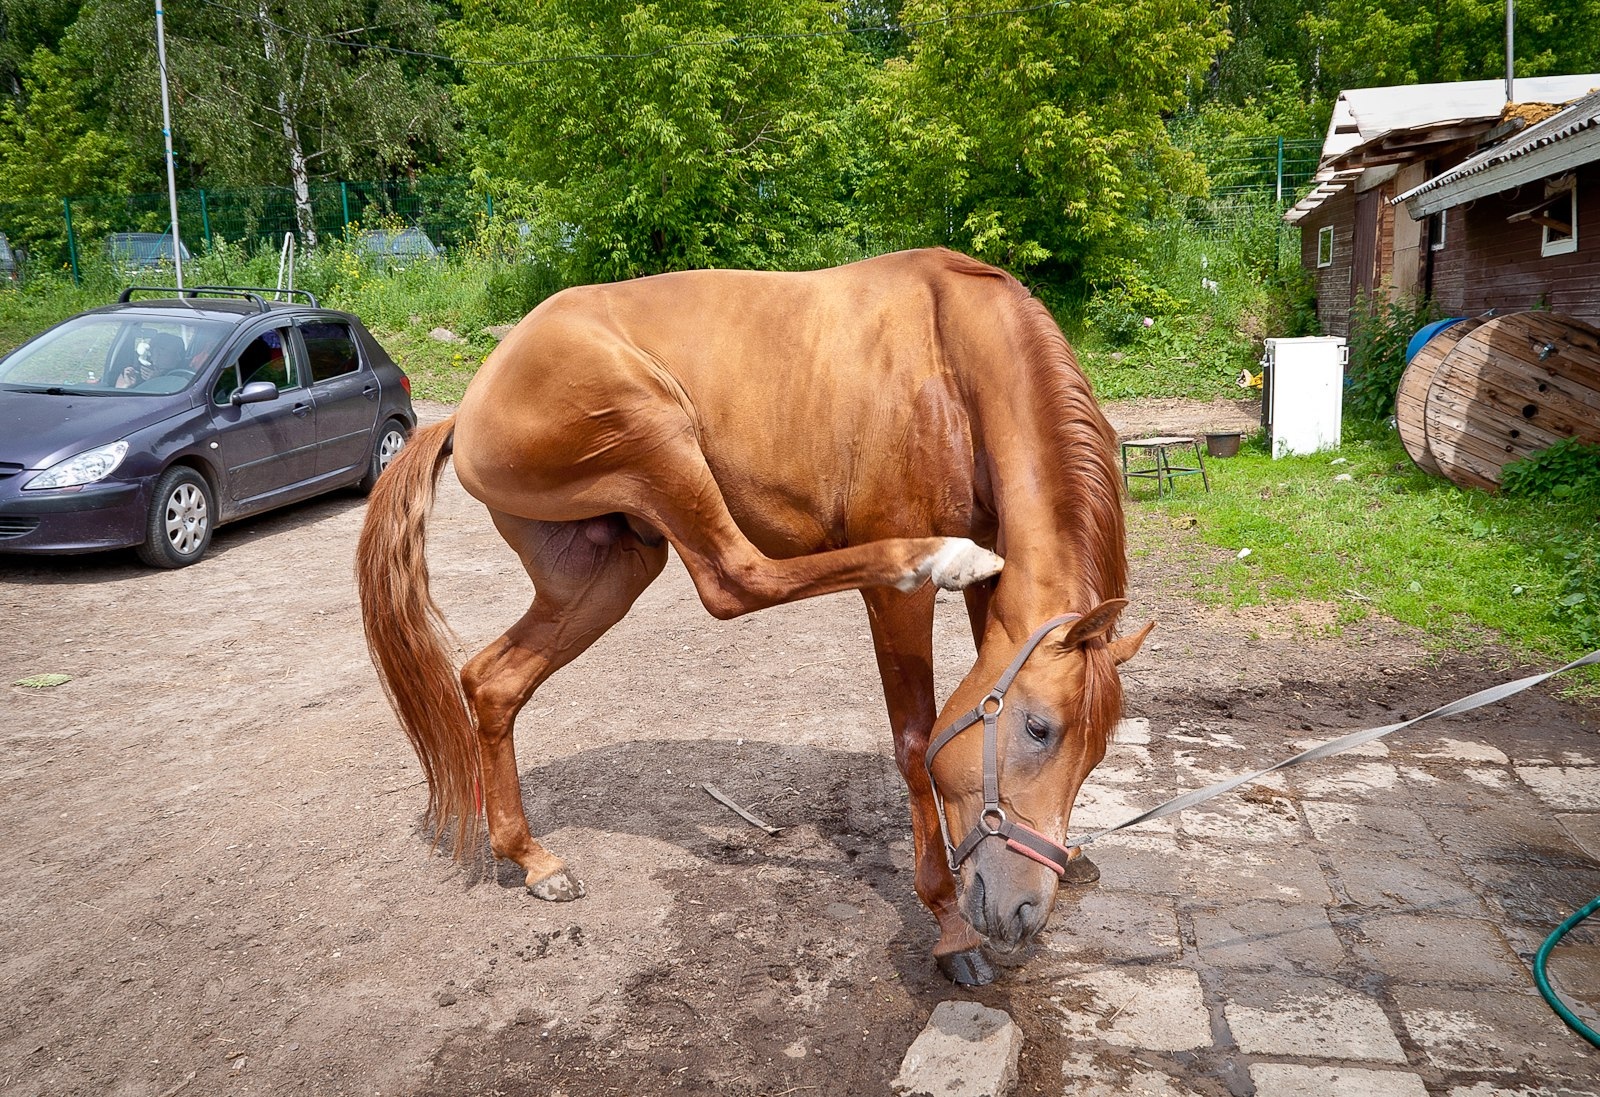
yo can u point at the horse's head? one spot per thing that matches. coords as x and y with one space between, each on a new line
1051 722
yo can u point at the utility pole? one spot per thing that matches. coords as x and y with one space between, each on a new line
1511 12
166 132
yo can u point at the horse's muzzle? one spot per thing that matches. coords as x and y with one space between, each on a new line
1007 898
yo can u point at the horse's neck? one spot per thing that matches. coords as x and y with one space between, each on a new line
1059 519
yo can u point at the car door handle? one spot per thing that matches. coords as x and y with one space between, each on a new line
302 410
370 392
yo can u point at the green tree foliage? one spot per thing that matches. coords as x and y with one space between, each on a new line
1376 43
1036 138
26 26
662 139
52 147
267 91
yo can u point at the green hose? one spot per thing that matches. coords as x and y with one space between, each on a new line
1544 983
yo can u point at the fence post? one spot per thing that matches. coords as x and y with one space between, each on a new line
205 217
1280 171
344 203
488 200
72 241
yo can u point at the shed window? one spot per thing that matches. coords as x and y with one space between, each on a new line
1325 246
1436 229
1560 220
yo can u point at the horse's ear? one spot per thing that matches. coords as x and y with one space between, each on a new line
1097 622
1124 648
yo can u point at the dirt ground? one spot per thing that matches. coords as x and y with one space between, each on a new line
214 880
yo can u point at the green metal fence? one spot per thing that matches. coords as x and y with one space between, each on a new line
1244 175
447 209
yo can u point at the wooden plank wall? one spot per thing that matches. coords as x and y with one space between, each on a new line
1333 282
1489 263
1410 237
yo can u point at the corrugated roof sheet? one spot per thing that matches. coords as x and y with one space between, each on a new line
1362 115
1367 116
1574 118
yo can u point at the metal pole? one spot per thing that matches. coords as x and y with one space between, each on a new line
72 240
166 133
344 205
1280 171
1511 12
205 216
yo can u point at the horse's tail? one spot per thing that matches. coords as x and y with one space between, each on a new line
406 633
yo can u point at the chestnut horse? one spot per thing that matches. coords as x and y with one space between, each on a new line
873 426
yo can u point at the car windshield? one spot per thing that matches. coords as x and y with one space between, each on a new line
114 355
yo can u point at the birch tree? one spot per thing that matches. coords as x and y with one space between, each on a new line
282 92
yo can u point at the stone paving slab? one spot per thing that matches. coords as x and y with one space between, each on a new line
1159 1008
1491 1031
1436 949
1288 1080
1405 883
966 1050
1259 934
1364 929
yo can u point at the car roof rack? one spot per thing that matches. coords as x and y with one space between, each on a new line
256 294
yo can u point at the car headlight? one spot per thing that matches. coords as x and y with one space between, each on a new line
85 468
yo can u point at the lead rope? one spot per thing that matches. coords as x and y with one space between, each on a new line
1354 739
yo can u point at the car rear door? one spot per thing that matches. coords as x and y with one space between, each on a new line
268 449
345 392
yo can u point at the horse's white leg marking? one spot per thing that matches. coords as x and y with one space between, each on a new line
957 565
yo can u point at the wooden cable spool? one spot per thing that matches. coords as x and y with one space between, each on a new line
1411 400
1512 386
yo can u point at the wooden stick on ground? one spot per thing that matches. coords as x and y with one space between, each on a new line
722 798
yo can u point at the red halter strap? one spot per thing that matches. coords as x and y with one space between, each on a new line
992 821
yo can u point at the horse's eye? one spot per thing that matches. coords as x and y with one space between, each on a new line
1038 730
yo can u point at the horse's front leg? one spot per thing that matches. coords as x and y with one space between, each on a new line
902 633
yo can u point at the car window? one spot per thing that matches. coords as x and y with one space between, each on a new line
266 358
330 350
117 353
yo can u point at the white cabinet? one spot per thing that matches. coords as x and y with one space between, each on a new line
1303 392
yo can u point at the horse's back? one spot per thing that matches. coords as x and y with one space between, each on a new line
812 395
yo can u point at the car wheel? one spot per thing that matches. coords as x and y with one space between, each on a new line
178 528
391 440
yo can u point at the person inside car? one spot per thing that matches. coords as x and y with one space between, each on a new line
163 354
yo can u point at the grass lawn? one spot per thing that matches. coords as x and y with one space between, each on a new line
1364 529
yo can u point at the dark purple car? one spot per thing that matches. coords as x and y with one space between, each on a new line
149 423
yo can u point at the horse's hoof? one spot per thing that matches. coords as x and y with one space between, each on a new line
558 887
969 968
1081 870
960 563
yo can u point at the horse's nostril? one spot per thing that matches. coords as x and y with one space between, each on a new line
978 892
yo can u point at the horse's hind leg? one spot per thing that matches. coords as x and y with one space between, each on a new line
902 633
585 576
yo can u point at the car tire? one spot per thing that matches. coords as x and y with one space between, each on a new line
182 515
390 441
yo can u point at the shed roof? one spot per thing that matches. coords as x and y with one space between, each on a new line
1407 122
1364 117
1566 139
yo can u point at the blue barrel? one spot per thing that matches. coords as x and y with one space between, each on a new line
1420 339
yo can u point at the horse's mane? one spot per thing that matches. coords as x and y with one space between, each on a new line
1089 502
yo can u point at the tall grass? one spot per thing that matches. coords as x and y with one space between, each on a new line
1191 307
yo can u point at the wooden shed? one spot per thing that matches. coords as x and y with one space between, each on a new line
1517 225
1384 142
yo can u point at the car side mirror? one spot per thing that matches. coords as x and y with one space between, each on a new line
256 392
